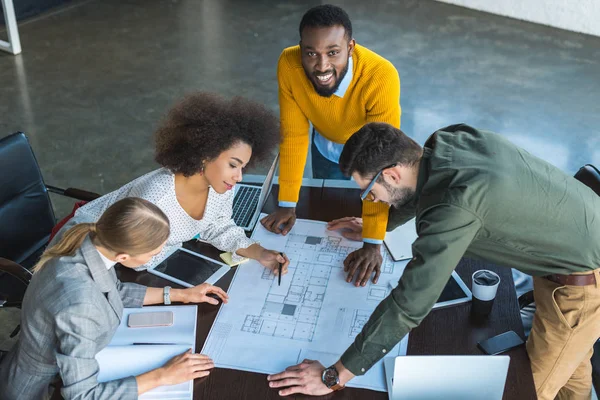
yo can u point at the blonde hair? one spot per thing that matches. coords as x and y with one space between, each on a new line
132 226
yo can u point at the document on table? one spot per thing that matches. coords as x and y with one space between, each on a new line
153 347
314 314
399 241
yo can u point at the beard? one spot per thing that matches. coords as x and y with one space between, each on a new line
325 91
399 197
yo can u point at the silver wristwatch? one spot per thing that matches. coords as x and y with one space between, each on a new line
167 295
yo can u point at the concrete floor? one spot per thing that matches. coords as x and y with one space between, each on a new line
95 78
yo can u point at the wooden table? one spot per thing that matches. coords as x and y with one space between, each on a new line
448 331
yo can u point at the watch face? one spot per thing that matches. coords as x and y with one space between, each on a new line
330 377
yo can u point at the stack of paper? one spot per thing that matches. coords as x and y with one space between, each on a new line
399 241
134 351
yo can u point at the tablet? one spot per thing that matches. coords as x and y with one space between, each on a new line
189 269
455 292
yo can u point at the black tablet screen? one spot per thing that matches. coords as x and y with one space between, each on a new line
452 291
188 267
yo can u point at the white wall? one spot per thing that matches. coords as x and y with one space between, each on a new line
573 15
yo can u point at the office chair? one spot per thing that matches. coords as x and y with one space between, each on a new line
23 277
26 216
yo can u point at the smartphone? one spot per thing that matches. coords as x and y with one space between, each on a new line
500 343
149 319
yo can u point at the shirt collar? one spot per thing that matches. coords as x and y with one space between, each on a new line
345 83
104 278
109 263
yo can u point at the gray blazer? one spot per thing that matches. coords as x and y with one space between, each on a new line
70 312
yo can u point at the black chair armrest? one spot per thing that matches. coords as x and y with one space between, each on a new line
525 299
74 193
16 270
589 176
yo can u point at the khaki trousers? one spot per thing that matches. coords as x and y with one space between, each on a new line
565 327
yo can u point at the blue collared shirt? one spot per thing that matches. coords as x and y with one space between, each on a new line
331 150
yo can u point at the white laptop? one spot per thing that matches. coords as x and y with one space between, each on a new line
399 241
446 377
249 200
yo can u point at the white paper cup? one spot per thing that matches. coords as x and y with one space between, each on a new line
483 294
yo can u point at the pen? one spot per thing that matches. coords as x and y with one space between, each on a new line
153 344
280 265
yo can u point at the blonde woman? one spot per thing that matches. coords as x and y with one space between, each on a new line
74 304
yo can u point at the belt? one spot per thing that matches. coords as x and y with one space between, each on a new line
573 280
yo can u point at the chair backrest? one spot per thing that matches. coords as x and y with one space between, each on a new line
589 176
26 215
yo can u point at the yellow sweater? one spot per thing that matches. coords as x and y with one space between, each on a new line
373 95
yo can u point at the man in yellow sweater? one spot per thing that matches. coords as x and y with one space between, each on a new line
334 86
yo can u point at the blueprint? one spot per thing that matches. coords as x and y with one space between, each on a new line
314 314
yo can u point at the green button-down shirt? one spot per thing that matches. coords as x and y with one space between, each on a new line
482 197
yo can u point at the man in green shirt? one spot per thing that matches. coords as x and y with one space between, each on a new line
475 194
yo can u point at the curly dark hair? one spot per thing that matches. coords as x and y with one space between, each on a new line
203 125
326 16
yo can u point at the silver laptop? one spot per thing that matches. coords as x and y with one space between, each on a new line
249 200
446 377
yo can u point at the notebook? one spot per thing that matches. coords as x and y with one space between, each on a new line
399 241
134 351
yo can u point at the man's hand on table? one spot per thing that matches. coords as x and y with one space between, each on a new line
361 263
285 216
306 378
351 227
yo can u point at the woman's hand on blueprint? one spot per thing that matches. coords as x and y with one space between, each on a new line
351 227
271 259
200 294
305 378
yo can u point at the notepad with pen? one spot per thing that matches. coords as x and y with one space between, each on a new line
134 351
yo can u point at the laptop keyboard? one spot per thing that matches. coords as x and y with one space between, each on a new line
244 204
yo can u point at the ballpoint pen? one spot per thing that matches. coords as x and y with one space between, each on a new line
280 266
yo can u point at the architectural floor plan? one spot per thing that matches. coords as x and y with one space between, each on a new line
314 313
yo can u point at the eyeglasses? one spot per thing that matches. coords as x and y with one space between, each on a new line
366 194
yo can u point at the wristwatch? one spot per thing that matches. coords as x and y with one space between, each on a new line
331 378
167 295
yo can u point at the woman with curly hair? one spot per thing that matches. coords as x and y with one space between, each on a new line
203 145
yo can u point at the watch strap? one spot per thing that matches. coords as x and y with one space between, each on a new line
336 386
167 295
